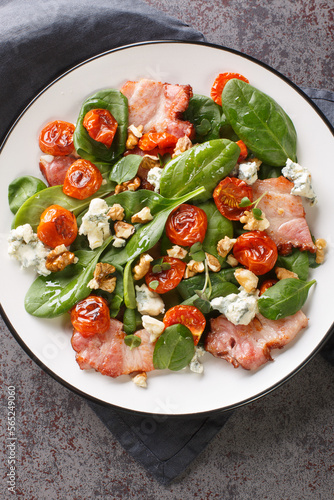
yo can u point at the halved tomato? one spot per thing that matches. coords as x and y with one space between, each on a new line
90 316
56 138
100 125
228 195
168 279
256 251
189 316
220 82
186 225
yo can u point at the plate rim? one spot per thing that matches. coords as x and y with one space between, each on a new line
48 370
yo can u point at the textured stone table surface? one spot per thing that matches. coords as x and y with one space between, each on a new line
280 447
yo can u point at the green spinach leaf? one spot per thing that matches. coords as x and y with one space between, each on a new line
203 165
20 189
223 283
297 262
218 228
260 122
174 348
285 298
205 115
94 151
125 169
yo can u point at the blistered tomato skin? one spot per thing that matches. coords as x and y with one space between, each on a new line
186 225
82 180
91 316
189 316
169 278
56 138
100 125
220 82
267 284
256 251
58 226
228 194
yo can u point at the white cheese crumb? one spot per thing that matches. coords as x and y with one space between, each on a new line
28 249
239 308
301 178
149 302
154 177
195 365
248 171
153 326
140 380
95 223
118 242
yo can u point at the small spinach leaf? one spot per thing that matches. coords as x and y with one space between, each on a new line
132 341
203 165
260 122
296 262
285 298
20 189
218 228
205 114
174 348
125 169
94 151
220 283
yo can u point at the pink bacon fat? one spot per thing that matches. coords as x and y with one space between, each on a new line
249 346
285 213
158 106
54 168
108 354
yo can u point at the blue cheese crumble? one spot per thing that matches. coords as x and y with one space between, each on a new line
301 178
154 177
195 365
24 246
239 308
149 302
95 223
248 171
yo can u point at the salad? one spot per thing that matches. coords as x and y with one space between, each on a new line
169 224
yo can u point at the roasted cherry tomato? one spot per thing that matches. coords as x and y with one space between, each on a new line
256 251
189 316
90 316
82 180
267 284
169 278
219 84
186 225
228 194
100 125
243 151
160 140
57 226
56 138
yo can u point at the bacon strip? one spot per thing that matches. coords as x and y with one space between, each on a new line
285 213
54 168
158 106
108 354
249 346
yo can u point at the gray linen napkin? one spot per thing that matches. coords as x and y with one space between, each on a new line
38 42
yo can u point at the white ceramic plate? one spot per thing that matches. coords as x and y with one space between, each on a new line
48 341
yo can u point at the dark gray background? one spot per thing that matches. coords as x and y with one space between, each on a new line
280 447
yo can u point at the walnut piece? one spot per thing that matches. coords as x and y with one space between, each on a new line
247 279
59 258
193 267
177 252
102 277
283 274
123 229
142 267
134 134
182 145
213 263
143 216
140 379
131 185
321 244
253 224
116 212
148 162
225 245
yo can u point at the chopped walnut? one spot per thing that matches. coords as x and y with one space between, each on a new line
59 258
253 224
134 134
247 279
193 267
225 245
213 263
142 267
102 277
140 379
182 145
143 216
232 261
131 185
177 252
321 244
123 229
283 274
148 162
116 212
